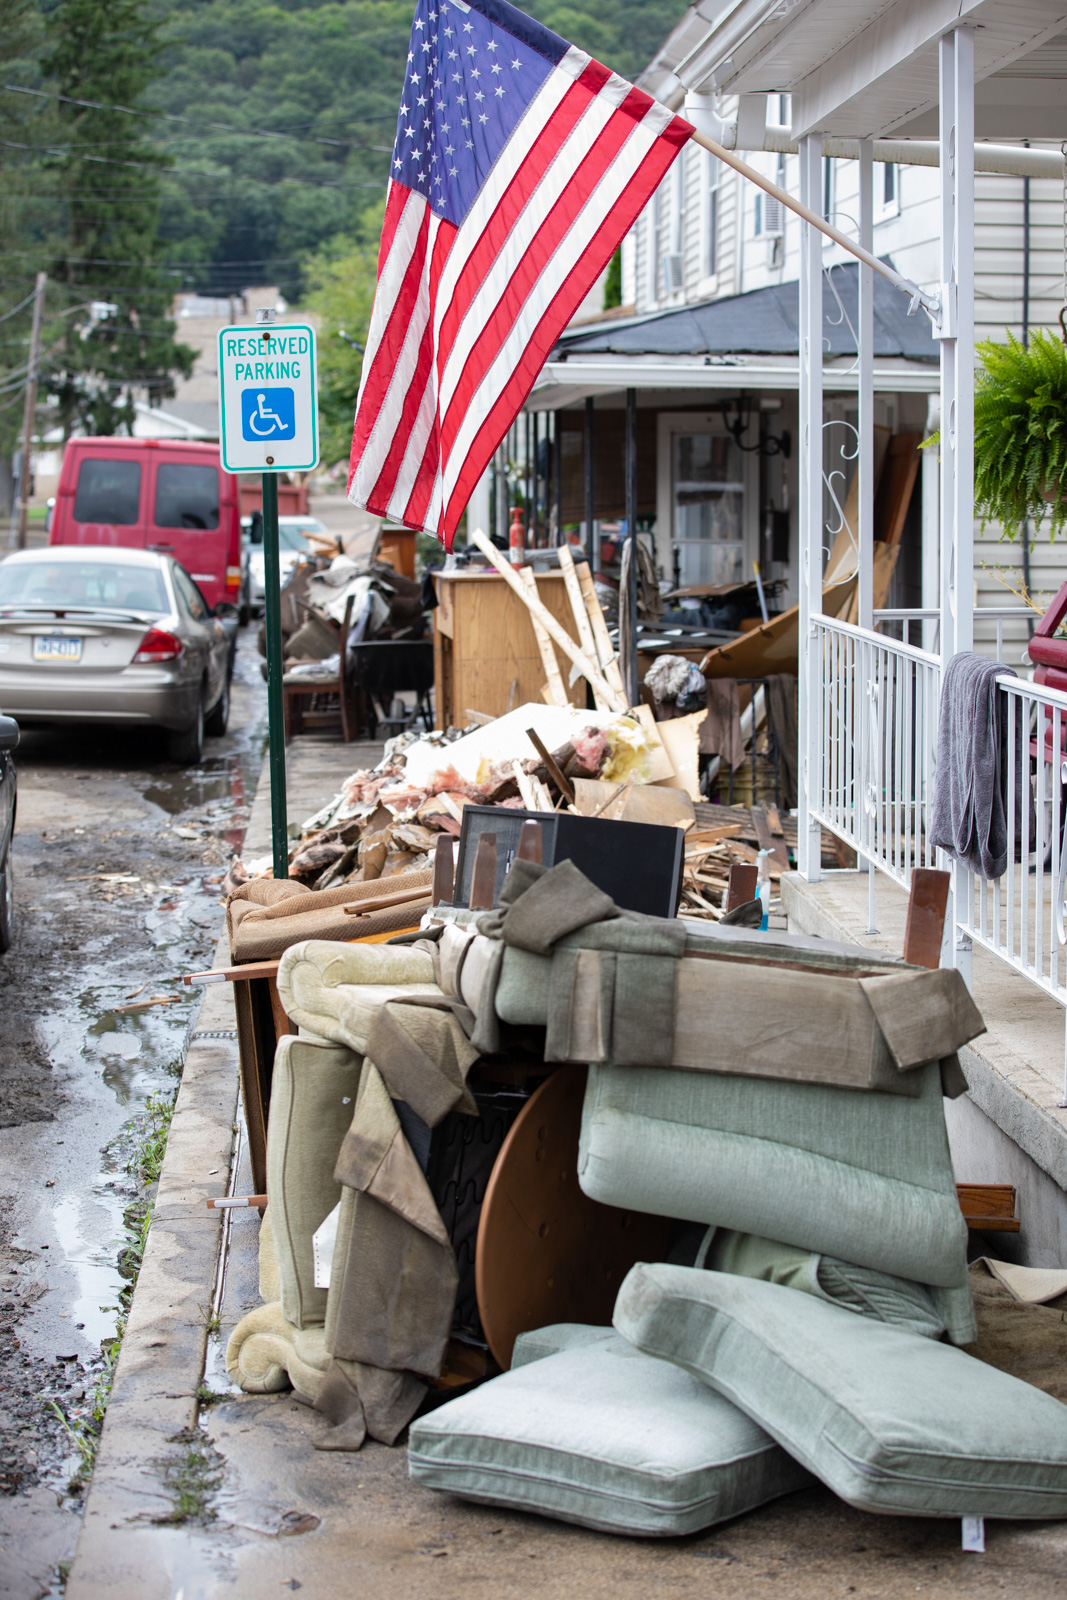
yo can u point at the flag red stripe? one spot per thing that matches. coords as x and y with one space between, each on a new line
569 295
392 342
496 232
508 308
394 207
394 460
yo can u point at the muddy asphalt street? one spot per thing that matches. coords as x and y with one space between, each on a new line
119 857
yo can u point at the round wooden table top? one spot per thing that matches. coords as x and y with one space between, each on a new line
547 1253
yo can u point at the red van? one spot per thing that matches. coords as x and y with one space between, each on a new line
154 494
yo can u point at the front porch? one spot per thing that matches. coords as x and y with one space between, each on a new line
1012 1127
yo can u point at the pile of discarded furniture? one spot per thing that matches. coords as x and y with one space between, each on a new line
631 1221
353 638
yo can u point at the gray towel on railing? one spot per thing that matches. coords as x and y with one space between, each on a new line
970 818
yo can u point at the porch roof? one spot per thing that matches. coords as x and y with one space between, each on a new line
866 68
764 322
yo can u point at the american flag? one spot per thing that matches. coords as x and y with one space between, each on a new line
519 165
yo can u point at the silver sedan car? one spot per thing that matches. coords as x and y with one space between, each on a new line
100 634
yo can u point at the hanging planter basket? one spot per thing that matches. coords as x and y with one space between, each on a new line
1020 434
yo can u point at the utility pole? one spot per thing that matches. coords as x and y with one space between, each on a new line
30 413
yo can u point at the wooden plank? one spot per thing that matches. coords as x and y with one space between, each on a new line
925 927
992 1224
776 850
589 671
556 690
894 490
563 784
251 969
844 557
381 902
773 646
444 871
531 845
605 654
741 887
987 1199
483 878
581 615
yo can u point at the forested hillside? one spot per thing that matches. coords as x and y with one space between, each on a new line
327 79
150 147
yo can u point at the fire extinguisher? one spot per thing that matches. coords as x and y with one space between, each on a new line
516 538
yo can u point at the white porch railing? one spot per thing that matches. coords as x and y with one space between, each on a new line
877 717
1020 916
876 737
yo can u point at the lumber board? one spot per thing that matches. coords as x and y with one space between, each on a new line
925 926
609 665
987 1199
581 614
557 633
775 847
556 692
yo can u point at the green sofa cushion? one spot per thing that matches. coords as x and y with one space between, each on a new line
599 1435
860 1289
865 1178
313 1091
890 1421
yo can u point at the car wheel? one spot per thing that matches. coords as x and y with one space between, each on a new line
7 904
187 746
215 725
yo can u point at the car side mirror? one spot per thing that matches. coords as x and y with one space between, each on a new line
255 532
9 733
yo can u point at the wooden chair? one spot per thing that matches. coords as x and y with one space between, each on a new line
298 697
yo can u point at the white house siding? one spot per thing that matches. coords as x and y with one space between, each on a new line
908 233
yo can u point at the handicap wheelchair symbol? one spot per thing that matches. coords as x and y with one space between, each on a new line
268 413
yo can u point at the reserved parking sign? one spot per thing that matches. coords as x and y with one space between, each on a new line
268 411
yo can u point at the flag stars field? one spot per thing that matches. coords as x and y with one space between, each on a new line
491 238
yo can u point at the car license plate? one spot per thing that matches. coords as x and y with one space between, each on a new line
56 647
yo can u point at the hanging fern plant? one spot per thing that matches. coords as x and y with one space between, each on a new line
1020 433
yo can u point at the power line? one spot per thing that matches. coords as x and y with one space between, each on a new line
16 309
196 122
162 169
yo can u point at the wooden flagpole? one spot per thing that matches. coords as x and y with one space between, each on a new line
918 296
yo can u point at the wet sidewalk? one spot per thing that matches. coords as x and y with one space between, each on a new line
201 1492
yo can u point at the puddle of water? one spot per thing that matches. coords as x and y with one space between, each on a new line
126 1045
90 1251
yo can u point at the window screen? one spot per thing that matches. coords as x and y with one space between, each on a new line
108 491
186 496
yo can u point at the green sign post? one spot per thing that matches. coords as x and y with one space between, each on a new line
268 422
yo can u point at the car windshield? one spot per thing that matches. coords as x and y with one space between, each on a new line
293 535
74 585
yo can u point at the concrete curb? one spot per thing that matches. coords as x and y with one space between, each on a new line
161 1364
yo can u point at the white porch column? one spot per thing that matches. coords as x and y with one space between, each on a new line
931 524
957 384
479 502
810 530
957 341
865 375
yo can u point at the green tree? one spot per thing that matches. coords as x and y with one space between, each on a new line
341 284
118 336
23 222
613 282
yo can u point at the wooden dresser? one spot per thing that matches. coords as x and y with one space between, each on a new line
483 641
